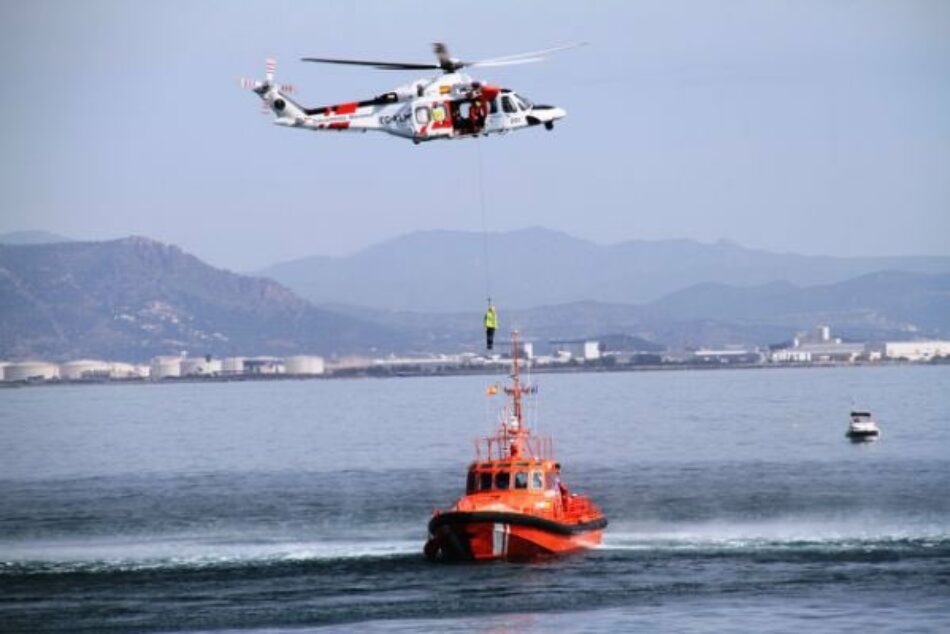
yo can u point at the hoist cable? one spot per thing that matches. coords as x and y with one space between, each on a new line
481 201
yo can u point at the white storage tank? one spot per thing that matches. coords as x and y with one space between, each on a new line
84 369
120 370
164 367
591 350
31 371
232 365
200 366
263 365
917 350
304 365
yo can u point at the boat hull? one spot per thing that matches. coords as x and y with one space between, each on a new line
487 535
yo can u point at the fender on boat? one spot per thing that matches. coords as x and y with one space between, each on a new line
518 519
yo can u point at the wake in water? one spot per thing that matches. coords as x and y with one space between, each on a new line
192 552
860 534
181 554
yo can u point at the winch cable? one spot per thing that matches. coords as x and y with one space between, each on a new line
481 201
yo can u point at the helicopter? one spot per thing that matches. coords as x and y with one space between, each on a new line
445 107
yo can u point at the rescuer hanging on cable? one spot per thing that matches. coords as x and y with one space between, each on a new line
491 323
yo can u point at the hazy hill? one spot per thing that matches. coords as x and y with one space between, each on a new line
870 305
884 305
445 271
135 298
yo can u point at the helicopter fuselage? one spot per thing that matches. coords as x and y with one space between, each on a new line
451 106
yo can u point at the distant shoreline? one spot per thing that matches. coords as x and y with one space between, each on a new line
388 373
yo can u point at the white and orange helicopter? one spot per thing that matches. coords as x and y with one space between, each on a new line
449 106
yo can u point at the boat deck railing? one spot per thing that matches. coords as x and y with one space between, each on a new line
498 447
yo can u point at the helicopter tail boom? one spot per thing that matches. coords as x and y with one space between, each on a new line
274 97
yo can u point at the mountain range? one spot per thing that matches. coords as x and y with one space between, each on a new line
447 271
135 298
892 305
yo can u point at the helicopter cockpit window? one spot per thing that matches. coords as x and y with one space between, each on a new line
523 103
422 115
508 105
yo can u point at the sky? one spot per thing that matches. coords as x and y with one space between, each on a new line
816 127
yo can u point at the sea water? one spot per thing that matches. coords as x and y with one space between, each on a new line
735 504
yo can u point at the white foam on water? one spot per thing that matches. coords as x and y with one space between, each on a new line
844 535
165 553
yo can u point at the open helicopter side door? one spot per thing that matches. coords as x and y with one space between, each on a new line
495 119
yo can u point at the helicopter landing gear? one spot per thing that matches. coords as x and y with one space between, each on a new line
548 125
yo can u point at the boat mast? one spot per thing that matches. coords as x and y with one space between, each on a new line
516 386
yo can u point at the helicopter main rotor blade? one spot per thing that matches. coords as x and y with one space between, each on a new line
505 62
533 55
379 65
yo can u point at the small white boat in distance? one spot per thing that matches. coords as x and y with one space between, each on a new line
862 427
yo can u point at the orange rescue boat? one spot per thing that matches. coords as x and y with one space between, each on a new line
515 506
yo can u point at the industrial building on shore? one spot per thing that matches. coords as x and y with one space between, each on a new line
820 347
809 348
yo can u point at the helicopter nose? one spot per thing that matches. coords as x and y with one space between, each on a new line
546 115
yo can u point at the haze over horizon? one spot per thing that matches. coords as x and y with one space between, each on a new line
815 128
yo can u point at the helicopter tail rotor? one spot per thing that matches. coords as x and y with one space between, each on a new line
261 87
270 67
267 90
